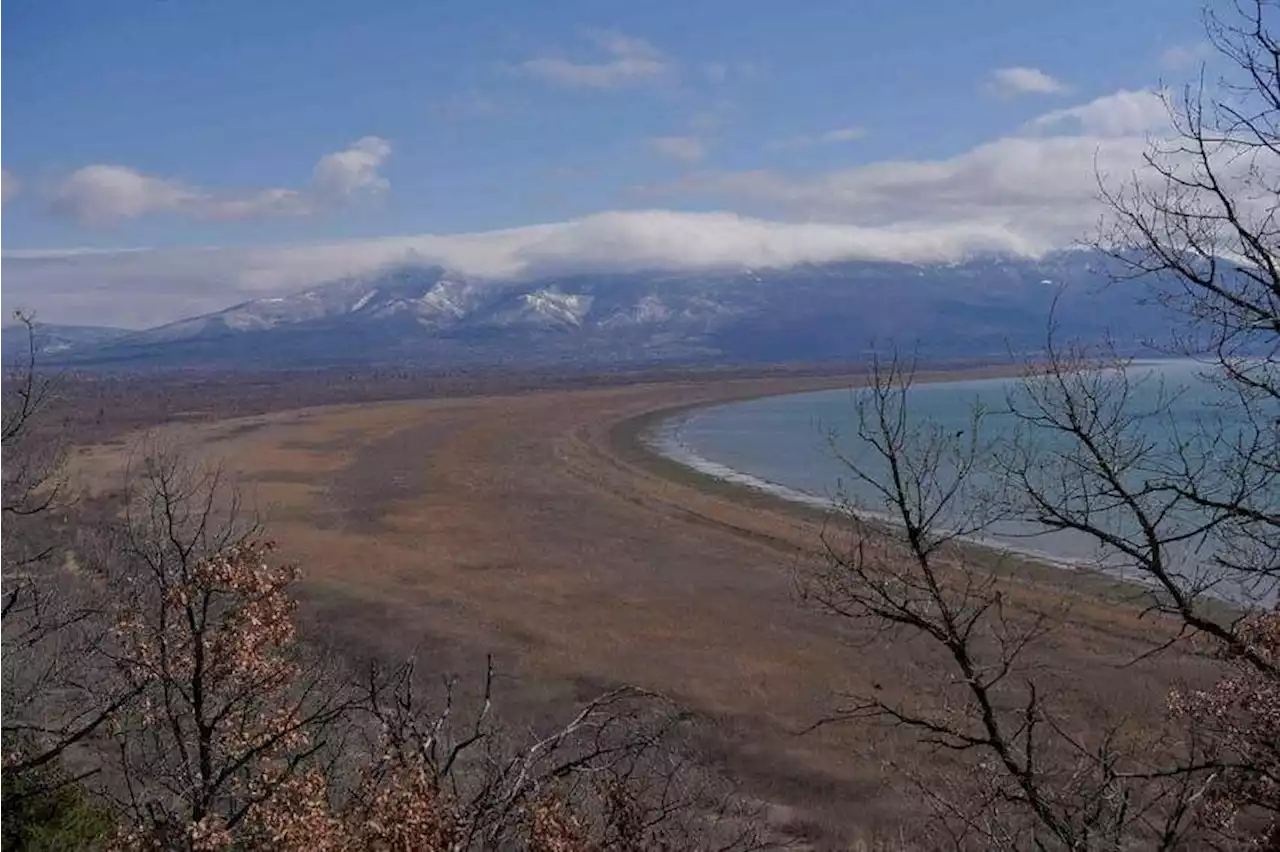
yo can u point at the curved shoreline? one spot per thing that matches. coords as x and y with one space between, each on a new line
629 440
663 438
632 439
628 437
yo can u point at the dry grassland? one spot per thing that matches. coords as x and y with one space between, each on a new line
534 526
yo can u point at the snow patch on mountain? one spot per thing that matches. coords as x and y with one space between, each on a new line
363 300
568 308
426 314
651 309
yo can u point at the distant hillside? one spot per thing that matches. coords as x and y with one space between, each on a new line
428 316
54 342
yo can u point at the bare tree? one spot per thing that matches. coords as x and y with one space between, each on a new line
1200 225
616 776
1037 780
241 736
54 631
227 705
1181 498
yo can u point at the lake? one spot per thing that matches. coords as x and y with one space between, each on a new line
787 445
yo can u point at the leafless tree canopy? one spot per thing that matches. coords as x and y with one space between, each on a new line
52 618
239 727
158 696
1188 508
1037 780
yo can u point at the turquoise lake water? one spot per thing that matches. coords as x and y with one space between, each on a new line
783 444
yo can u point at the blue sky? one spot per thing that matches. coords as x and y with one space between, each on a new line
177 123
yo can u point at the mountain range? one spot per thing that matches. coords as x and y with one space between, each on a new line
53 342
427 316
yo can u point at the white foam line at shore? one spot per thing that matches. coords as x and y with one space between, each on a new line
664 439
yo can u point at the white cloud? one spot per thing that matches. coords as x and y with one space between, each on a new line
105 195
145 287
1040 189
253 205
1039 186
627 61
1181 57
688 149
831 137
1020 80
1120 113
354 170
10 186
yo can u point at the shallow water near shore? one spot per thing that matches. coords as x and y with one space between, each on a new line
788 445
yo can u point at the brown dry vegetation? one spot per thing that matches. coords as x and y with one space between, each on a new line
534 526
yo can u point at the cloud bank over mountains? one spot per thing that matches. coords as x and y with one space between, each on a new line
165 284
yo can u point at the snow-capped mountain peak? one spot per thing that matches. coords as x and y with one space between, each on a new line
568 308
806 312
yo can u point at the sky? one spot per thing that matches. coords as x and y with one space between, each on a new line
170 157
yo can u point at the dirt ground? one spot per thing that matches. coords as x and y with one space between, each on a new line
534 526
